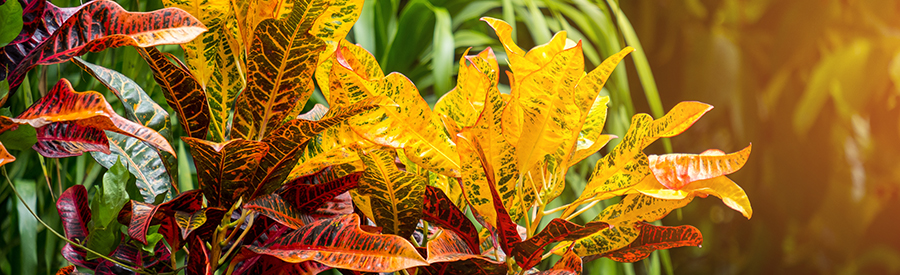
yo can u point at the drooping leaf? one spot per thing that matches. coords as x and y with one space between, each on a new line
183 93
138 105
225 170
396 196
68 139
39 20
624 218
528 253
674 171
731 194
214 59
340 243
149 170
112 27
439 209
448 253
654 238
85 109
144 215
75 216
274 207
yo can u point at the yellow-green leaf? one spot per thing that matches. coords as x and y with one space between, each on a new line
731 194
678 119
396 197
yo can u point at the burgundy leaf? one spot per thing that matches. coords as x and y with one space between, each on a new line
528 253
144 215
198 260
309 197
440 209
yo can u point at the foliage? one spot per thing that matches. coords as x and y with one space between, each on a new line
378 181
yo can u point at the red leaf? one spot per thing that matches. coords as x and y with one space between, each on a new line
448 253
125 253
440 209
74 212
654 238
308 195
111 26
41 18
569 262
86 109
144 215
528 252
68 139
274 207
340 243
198 260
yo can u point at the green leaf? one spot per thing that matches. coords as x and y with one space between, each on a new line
106 204
103 240
11 12
443 51
27 225
21 138
153 237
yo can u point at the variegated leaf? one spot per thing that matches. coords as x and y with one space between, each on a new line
225 170
396 196
340 243
183 93
274 207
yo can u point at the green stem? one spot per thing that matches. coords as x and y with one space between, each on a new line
135 269
239 239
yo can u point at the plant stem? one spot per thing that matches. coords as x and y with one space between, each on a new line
238 241
8 181
581 211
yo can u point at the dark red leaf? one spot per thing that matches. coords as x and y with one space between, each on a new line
439 209
40 19
77 256
75 215
570 261
308 195
198 260
652 238
125 253
274 207
448 253
111 26
144 215
68 139
528 253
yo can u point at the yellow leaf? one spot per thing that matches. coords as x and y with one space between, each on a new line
464 103
622 168
411 126
723 187
590 138
678 119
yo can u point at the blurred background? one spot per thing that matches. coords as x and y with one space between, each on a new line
813 84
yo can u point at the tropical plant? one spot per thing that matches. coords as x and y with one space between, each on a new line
378 181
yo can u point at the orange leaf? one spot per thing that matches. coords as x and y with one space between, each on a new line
674 171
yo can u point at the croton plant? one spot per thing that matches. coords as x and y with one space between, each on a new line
377 181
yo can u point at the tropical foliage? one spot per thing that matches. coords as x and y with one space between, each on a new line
376 181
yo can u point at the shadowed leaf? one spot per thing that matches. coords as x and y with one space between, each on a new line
309 193
449 254
438 208
152 178
198 260
189 222
75 216
68 139
528 253
181 90
654 238
340 243
144 215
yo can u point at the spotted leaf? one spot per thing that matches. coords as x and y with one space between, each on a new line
274 207
225 170
652 238
396 196
439 209
448 253
182 91
528 253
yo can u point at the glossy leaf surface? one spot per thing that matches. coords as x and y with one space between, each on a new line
448 253
143 215
528 253
439 209
340 243
307 195
75 216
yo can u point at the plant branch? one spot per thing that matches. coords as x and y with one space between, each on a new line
238 241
